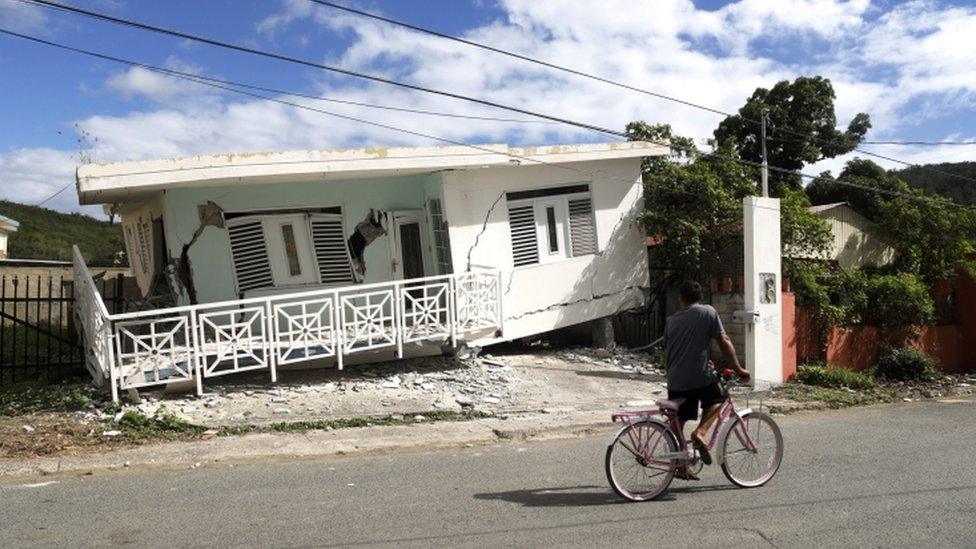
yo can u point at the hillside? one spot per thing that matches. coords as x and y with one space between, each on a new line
48 234
956 189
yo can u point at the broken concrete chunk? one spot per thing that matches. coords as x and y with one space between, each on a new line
112 433
28 429
491 400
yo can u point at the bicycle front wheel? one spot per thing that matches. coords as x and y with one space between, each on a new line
752 450
633 468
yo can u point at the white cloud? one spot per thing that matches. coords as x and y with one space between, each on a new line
155 85
293 9
19 16
30 176
716 58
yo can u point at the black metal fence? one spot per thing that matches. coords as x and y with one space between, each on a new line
38 337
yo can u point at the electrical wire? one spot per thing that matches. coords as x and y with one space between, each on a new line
50 198
229 86
616 83
306 62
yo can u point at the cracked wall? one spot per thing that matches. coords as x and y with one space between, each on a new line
210 258
539 298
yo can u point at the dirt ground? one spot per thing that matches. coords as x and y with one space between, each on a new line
509 381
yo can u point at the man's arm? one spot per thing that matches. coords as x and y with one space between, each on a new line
728 351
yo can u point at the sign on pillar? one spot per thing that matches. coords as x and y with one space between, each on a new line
763 278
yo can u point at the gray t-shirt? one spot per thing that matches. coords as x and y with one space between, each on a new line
687 334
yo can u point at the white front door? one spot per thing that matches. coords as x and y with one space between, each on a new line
290 250
408 245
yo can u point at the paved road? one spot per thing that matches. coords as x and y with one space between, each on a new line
901 475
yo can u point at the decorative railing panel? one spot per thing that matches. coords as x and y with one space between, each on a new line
232 341
195 342
152 351
305 330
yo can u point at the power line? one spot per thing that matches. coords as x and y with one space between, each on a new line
609 81
229 86
932 143
306 62
50 198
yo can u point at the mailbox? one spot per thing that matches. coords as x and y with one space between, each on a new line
745 317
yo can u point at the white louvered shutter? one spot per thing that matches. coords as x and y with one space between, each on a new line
521 223
249 250
331 249
581 228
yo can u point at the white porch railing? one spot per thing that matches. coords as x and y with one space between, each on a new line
162 346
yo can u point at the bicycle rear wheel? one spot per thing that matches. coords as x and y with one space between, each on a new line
632 470
745 466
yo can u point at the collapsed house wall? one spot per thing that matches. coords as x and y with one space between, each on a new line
209 257
542 297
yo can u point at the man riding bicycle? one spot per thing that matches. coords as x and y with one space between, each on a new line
691 374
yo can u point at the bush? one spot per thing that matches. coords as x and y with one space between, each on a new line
834 377
897 300
905 364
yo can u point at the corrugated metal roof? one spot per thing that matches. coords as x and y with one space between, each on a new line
825 207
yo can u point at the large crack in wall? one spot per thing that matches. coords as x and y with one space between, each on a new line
565 304
484 227
211 215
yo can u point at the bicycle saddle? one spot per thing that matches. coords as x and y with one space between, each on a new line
670 404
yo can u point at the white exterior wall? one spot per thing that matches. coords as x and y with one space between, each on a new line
857 241
3 244
540 298
763 254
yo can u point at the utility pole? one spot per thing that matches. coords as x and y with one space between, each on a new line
765 165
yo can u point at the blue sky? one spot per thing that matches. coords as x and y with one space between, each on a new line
908 64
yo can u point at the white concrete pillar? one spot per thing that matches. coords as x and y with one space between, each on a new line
763 279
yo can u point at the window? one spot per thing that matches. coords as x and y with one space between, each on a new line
551 224
442 244
271 250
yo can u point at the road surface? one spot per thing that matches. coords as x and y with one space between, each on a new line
887 476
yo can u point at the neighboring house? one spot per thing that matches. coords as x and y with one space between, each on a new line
7 226
280 258
858 242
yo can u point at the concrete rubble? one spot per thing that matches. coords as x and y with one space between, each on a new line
532 379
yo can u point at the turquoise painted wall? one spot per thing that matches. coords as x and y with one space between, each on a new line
210 257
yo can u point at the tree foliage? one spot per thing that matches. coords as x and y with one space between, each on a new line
930 234
802 127
47 234
942 182
696 206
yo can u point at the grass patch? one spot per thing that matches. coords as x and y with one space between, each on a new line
164 425
31 397
833 377
829 396
348 423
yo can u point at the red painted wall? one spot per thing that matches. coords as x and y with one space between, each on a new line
857 348
789 334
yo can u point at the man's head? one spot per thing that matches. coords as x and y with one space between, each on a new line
691 292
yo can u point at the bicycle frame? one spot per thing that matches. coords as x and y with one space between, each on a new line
685 455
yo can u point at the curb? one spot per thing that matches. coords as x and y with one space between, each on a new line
315 444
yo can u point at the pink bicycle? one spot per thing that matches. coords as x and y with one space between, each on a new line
645 453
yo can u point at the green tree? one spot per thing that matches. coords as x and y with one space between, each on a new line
862 184
694 202
802 127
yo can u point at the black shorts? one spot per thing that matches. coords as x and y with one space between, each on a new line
703 396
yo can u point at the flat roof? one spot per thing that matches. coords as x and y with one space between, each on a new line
104 183
8 224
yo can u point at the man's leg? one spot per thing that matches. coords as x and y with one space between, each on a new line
708 417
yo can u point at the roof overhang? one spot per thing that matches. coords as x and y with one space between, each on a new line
119 182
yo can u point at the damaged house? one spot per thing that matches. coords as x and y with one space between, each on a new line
320 258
